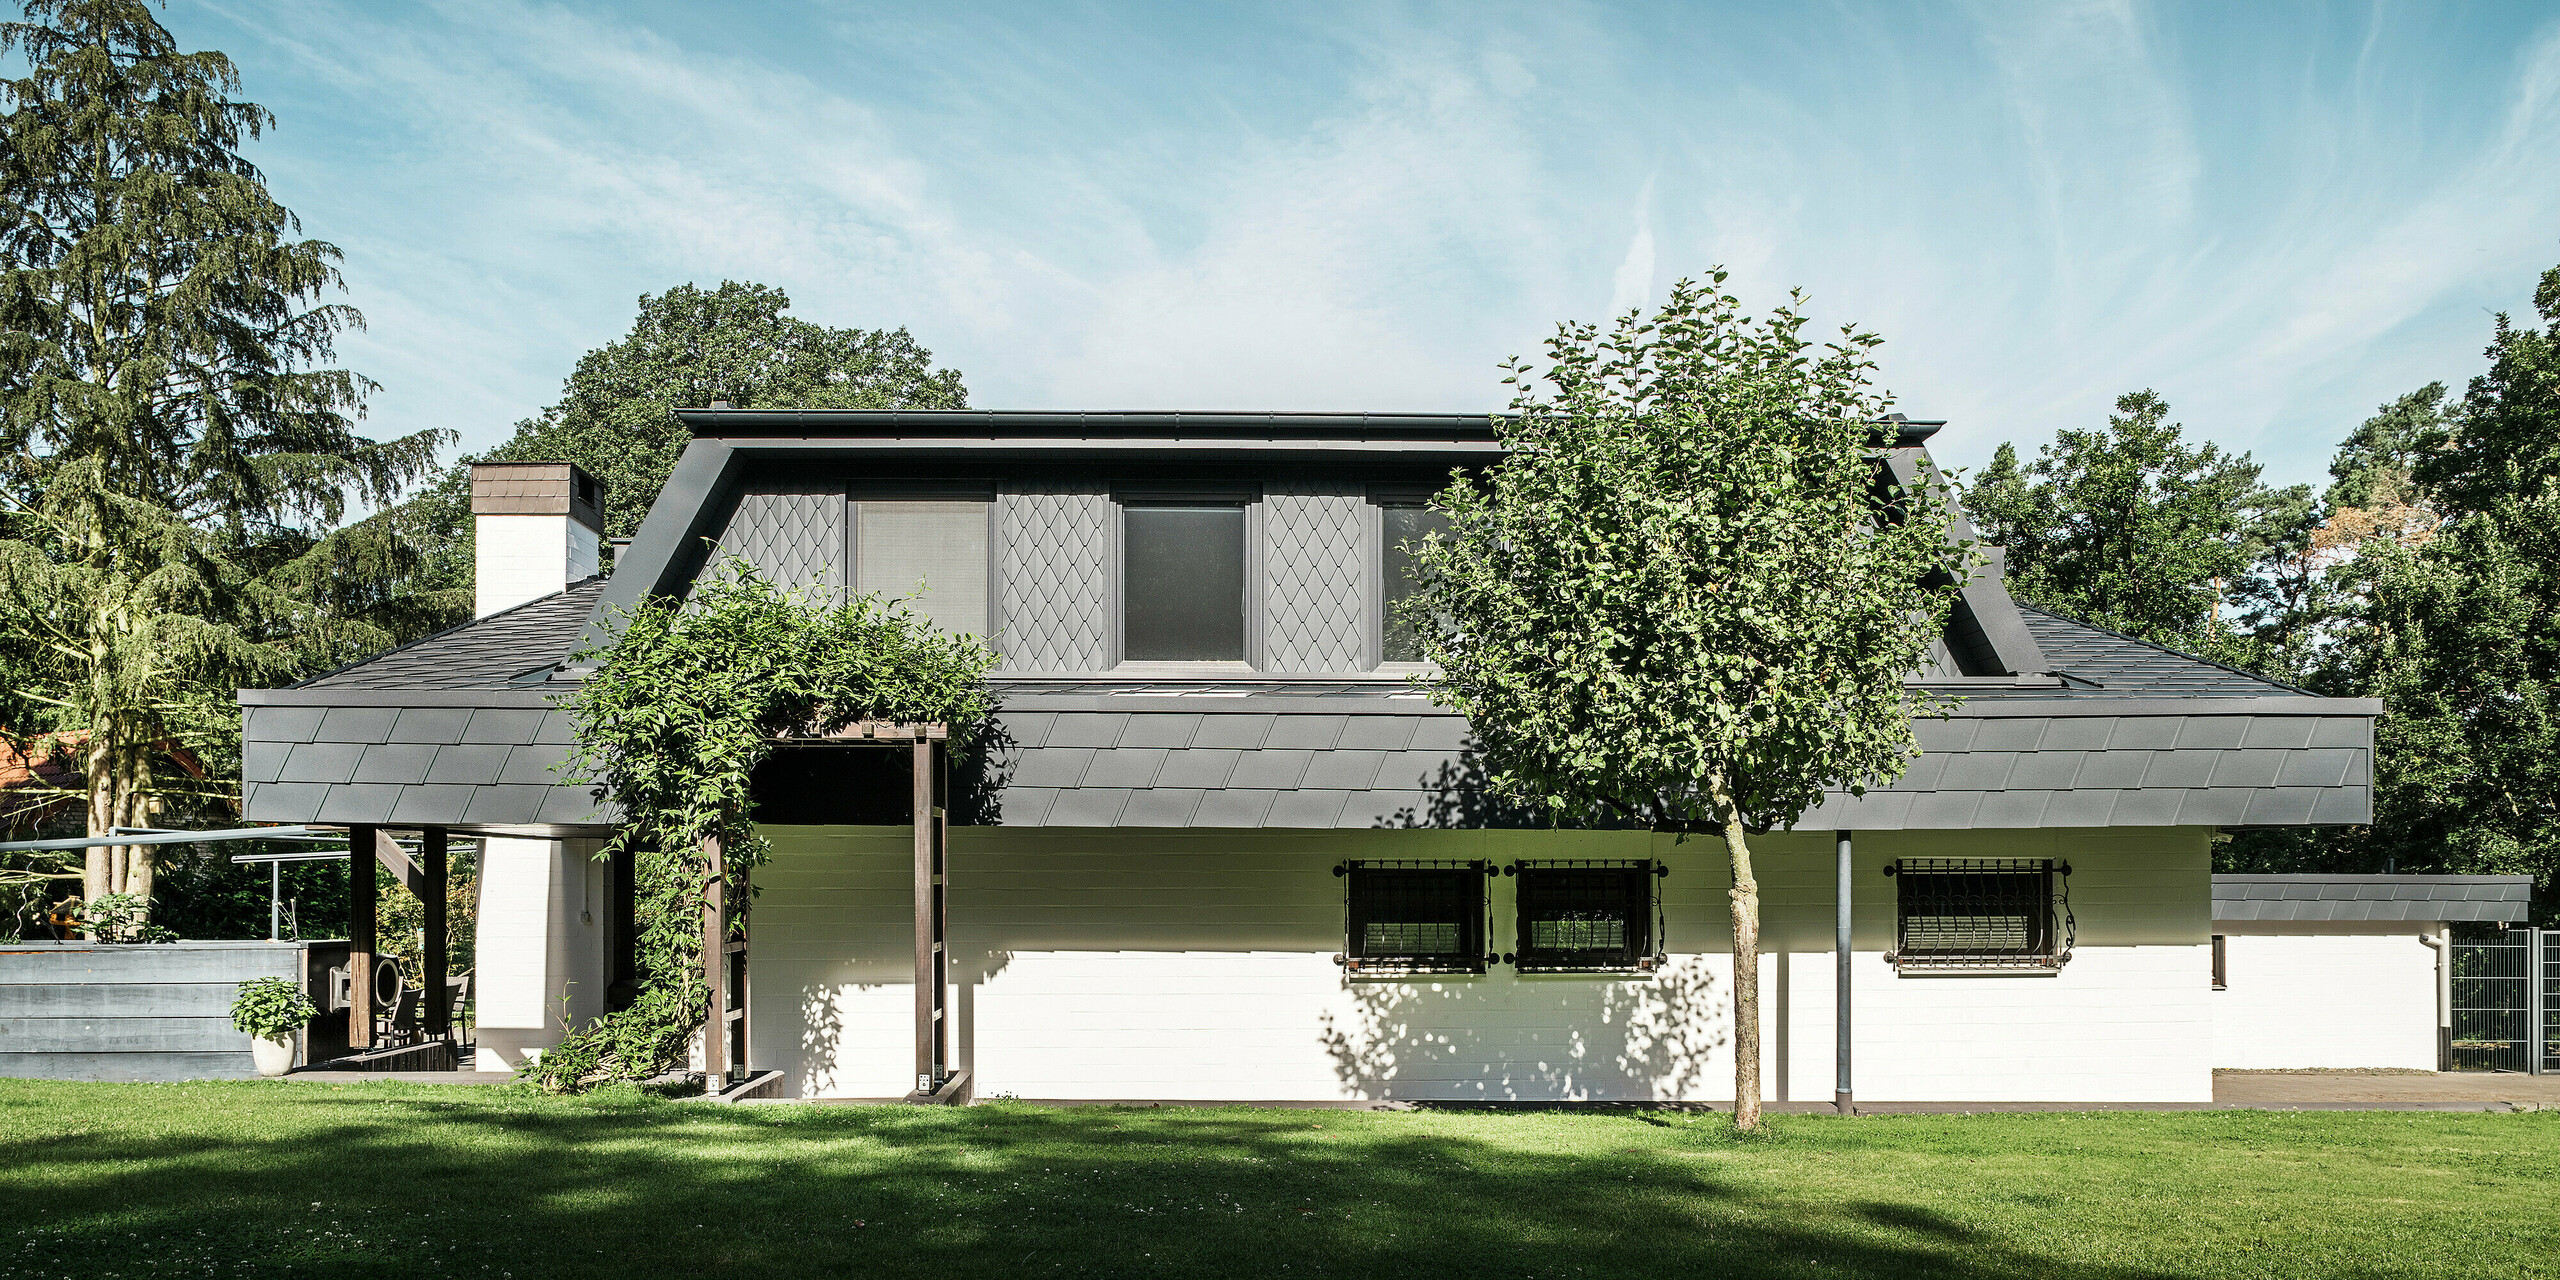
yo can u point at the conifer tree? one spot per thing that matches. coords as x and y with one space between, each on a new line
174 460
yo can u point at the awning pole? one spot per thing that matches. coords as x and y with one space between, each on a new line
1840 1097
275 901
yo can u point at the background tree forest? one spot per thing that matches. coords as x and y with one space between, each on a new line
2427 574
186 504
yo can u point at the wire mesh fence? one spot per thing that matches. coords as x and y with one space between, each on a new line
2495 1001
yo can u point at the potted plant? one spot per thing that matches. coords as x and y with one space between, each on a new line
270 1010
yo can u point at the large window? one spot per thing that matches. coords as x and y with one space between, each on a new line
1414 917
1581 916
1182 582
1402 525
934 551
1979 913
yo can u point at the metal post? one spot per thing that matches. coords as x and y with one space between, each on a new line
2536 942
436 1014
275 902
1840 1096
362 891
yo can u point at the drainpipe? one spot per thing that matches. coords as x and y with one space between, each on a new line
1840 963
2441 942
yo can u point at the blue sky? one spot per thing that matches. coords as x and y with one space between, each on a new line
2279 216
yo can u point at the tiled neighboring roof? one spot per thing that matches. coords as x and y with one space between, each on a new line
486 653
2369 897
2125 667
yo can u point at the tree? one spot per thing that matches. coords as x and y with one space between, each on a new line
2134 529
2458 634
167 447
687 348
1681 598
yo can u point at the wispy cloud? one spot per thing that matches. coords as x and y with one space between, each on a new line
2277 223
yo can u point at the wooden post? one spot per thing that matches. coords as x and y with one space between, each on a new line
434 1014
715 943
930 1062
361 891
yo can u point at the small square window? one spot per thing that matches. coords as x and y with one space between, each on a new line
1585 916
1402 525
933 554
1182 582
1977 913
1414 917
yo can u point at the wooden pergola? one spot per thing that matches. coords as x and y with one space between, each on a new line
724 942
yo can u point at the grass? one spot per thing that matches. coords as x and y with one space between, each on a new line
288 1179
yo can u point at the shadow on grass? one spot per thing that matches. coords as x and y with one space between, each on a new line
423 1182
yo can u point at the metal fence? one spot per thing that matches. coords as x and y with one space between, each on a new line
2506 1001
2549 941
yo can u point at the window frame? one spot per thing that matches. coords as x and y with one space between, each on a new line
2051 929
1381 497
1472 956
1643 953
1248 497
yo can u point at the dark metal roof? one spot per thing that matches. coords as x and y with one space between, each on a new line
2122 666
922 426
484 653
2371 897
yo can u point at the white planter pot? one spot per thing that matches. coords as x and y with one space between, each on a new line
274 1057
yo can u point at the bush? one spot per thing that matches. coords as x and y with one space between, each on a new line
271 1008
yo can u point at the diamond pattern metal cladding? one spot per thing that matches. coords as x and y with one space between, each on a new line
1316 587
794 536
1056 576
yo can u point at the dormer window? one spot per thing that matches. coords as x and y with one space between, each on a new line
1182 581
1402 524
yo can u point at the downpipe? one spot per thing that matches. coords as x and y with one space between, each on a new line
2440 943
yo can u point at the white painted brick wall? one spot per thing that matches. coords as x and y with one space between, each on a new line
1191 964
2339 995
521 558
540 938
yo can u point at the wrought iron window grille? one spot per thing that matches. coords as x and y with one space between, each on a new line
1981 915
1404 916
1589 915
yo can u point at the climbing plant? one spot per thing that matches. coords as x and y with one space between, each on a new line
681 708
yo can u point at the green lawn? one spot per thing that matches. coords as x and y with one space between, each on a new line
130 1181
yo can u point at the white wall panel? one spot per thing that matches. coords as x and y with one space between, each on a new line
1198 965
539 942
2340 995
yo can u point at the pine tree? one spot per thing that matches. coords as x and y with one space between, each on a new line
173 463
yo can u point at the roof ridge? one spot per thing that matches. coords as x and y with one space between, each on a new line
466 625
2078 621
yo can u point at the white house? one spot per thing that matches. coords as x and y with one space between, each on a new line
1222 850
2343 971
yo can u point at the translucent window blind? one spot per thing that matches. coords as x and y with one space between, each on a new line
936 551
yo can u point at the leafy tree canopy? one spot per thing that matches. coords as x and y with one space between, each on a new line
688 348
1682 597
2457 629
2136 529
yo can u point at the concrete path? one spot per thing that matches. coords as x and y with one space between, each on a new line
2386 1090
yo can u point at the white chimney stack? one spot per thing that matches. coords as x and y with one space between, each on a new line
537 527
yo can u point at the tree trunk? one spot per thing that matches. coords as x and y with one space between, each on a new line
1746 965
98 876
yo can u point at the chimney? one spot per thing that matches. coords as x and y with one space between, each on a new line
538 526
